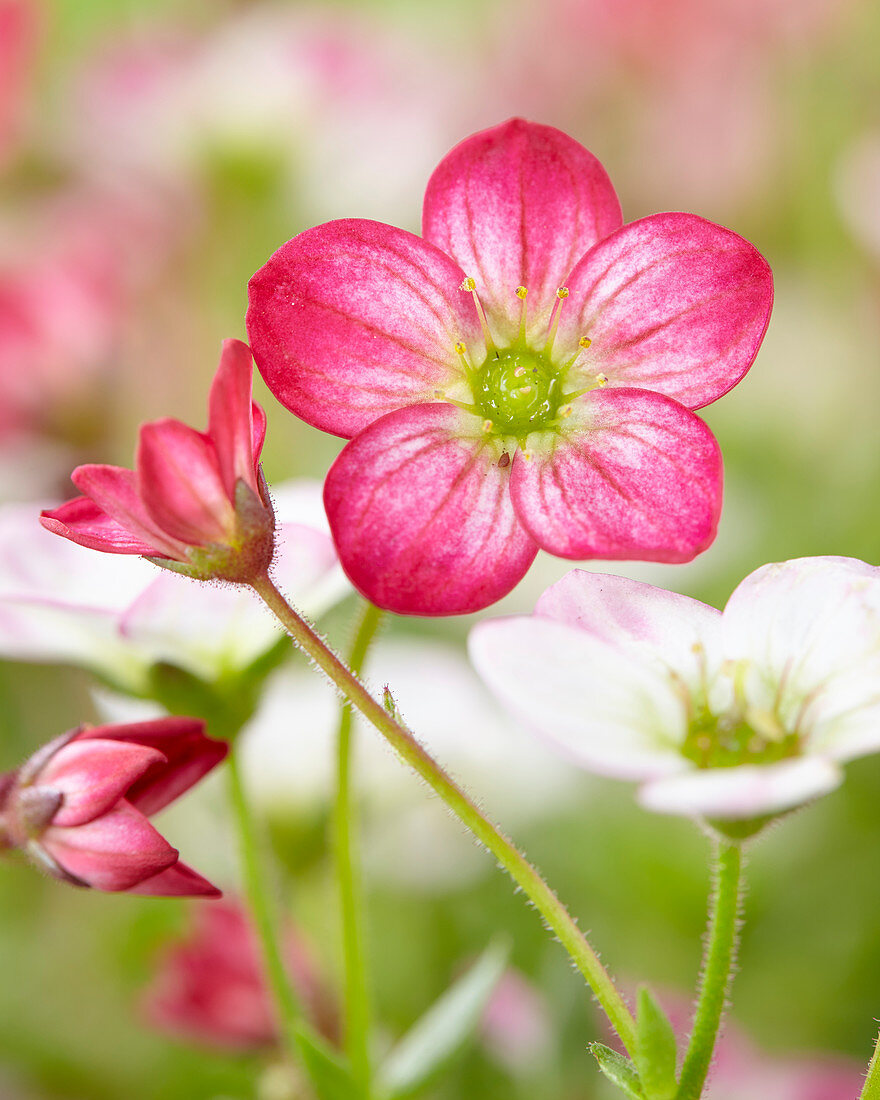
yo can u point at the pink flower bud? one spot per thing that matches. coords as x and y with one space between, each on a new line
196 502
78 807
209 987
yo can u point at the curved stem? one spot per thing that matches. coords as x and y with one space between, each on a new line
871 1091
260 904
511 859
357 1002
717 970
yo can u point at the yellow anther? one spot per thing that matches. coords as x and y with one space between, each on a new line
439 394
460 348
521 292
488 425
527 455
585 341
468 284
564 411
601 379
562 293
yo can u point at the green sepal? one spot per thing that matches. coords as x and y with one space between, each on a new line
619 1070
443 1031
656 1048
328 1072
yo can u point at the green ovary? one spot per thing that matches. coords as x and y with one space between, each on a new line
518 390
718 742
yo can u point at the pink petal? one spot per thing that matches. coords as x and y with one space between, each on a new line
114 852
188 755
177 881
93 775
83 522
231 423
115 491
353 319
519 205
748 790
421 515
672 303
636 476
180 483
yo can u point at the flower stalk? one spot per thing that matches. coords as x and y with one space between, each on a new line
717 970
256 889
554 913
345 835
871 1091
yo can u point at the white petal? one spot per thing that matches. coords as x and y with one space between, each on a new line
648 622
808 632
749 790
608 709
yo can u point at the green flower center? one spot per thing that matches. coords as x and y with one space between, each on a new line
517 390
724 742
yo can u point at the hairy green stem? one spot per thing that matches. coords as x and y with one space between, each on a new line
718 962
871 1091
262 910
357 1001
511 859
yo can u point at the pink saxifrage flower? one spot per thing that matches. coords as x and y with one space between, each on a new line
729 716
523 376
210 987
196 499
79 806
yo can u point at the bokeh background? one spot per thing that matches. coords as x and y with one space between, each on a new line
152 155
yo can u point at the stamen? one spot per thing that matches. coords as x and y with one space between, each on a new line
584 343
504 460
470 286
488 426
527 455
564 412
461 352
440 395
601 379
561 295
521 293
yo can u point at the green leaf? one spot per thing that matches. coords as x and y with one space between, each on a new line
434 1040
619 1070
327 1071
656 1049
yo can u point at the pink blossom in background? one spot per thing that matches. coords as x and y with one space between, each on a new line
117 615
70 269
19 32
209 986
518 1028
687 91
522 377
79 807
723 715
310 91
195 498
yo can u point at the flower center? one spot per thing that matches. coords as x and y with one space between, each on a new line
725 742
518 390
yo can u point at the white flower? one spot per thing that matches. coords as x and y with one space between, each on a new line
727 715
117 615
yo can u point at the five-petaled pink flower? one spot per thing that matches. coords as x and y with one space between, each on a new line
197 500
79 806
521 377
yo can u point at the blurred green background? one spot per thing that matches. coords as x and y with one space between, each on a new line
231 127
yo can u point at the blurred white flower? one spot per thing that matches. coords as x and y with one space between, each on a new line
856 186
727 715
118 615
289 755
349 110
